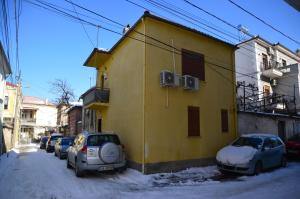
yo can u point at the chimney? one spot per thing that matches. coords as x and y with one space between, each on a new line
126 29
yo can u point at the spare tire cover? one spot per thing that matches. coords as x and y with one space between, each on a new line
109 152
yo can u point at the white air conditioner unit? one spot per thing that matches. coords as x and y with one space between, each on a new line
190 82
270 51
169 79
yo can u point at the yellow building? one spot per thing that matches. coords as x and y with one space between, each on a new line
11 115
167 122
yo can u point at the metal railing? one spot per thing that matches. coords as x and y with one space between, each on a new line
96 95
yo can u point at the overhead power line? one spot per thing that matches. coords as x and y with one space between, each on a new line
264 22
170 48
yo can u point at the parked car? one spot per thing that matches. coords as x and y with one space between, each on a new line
51 142
293 146
252 153
43 142
61 146
96 151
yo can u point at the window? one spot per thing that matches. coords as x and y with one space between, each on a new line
283 62
193 121
193 64
224 120
6 102
265 61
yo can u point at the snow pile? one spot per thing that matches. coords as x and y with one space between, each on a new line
26 148
191 176
134 177
236 155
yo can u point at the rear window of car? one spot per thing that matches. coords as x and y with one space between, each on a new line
66 141
55 137
248 141
98 140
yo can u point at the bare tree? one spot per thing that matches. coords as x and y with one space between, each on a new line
63 91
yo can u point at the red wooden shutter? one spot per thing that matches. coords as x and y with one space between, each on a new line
224 120
193 121
193 64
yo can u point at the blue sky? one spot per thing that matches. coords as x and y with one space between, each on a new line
52 46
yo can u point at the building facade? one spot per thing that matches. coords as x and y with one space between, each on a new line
62 118
267 77
11 115
75 120
38 117
172 107
5 71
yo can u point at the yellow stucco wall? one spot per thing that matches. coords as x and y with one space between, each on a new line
166 125
11 92
124 114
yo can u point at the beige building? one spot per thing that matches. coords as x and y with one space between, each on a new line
38 116
11 115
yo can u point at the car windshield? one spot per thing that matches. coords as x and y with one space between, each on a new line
55 137
66 141
248 141
295 138
98 140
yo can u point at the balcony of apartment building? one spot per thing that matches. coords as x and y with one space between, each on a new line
271 68
28 117
96 97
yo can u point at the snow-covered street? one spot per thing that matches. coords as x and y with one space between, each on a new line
30 173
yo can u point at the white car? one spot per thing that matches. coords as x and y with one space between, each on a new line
252 153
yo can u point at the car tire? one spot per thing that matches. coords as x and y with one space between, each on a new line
78 171
122 169
68 164
258 168
283 162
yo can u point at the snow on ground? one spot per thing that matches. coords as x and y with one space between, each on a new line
31 174
236 155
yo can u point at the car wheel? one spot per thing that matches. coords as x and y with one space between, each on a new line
68 164
258 168
78 171
283 161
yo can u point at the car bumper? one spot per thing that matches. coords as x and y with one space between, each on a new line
50 148
242 169
102 167
293 152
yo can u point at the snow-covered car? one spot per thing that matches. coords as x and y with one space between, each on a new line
252 153
61 146
97 152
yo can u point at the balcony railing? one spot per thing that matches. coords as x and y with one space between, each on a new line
95 95
271 69
28 121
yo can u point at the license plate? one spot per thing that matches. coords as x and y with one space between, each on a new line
105 168
293 151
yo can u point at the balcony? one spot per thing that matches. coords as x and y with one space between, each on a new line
95 97
271 69
28 121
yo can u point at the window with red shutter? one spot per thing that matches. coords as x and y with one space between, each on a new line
193 121
193 64
224 120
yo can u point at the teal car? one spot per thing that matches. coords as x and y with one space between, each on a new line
252 153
